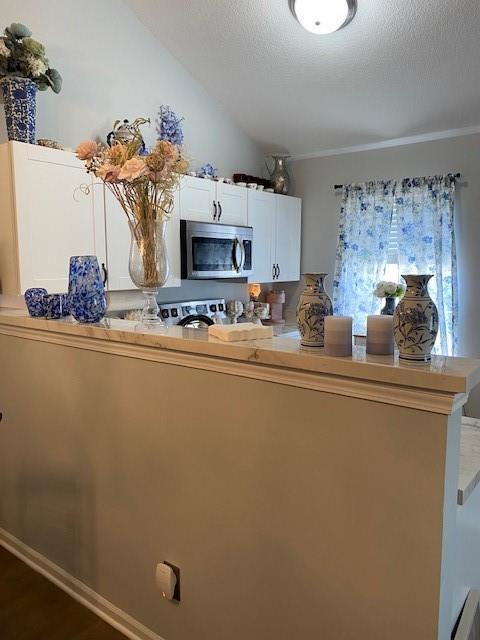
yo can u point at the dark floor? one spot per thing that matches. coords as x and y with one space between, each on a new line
32 608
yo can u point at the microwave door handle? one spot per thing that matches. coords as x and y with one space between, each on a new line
237 259
244 255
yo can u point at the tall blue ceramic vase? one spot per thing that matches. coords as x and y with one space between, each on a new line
20 102
85 289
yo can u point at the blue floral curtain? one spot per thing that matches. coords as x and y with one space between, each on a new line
426 244
365 221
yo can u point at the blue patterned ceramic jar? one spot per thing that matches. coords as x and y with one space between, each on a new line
35 301
85 288
313 306
415 321
20 101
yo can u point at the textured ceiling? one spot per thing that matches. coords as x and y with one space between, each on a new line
401 68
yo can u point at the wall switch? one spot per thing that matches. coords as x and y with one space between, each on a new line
167 578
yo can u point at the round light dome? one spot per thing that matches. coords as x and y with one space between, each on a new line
323 16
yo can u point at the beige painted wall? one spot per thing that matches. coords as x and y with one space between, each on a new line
291 513
314 180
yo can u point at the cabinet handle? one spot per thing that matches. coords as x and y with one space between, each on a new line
273 271
278 271
214 210
219 211
1 416
104 273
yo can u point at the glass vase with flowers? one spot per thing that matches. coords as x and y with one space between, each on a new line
143 183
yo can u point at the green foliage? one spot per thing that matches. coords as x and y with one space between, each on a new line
23 56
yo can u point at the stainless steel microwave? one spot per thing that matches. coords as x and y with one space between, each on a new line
215 250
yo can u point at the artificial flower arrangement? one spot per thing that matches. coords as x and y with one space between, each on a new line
386 289
22 56
143 183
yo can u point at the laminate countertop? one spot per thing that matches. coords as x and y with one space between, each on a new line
443 374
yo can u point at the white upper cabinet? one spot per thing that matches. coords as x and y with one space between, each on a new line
232 204
288 238
276 222
55 212
51 209
198 199
209 201
261 216
118 245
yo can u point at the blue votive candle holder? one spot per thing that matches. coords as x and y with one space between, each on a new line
35 301
56 306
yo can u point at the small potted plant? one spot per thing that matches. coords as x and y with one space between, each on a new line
24 68
390 291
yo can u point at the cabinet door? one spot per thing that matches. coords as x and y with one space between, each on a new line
232 204
197 197
118 245
288 237
261 216
57 215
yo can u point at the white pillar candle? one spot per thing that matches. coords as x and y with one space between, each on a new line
380 335
338 336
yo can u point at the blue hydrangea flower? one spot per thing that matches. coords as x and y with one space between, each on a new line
207 170
169 125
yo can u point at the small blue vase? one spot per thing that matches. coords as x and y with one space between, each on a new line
85 289
20 102
35 301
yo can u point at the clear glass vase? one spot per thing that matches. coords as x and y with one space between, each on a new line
148 266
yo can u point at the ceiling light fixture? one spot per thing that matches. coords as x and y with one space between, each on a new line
323 16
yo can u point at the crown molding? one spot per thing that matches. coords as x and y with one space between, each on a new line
386 144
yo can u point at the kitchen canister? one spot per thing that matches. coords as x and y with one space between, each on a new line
85 289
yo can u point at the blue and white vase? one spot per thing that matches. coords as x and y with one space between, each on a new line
313 306
20 102
35 301
85 289
415 321
389 308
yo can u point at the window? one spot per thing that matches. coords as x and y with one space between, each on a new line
389 228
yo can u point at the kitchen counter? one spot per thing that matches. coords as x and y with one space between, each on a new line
442 375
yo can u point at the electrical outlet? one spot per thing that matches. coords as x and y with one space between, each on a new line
167 577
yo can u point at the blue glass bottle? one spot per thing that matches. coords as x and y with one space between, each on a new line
85 289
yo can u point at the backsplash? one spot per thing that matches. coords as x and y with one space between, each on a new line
190 290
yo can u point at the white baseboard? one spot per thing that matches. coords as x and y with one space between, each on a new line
86 596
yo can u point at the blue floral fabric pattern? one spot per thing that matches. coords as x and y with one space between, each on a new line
426 244
362 248
424 210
